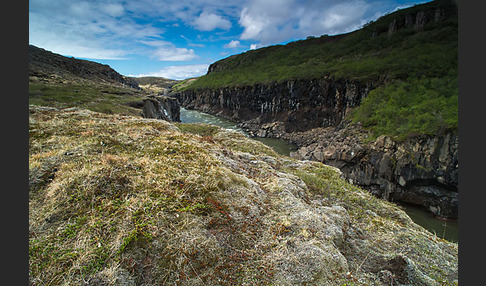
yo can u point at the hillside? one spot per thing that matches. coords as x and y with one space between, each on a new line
420 41
155 84
121 200
63 82
404 67
45 65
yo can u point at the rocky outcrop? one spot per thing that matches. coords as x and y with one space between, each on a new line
299 105
422 170
419 18
161 107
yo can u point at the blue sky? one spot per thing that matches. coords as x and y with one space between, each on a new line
179 39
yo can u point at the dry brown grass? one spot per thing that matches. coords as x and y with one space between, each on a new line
119 200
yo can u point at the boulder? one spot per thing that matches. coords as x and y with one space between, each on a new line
161 107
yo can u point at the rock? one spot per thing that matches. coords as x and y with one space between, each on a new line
161 107
422 170
297 105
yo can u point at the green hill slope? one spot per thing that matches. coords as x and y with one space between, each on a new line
416 42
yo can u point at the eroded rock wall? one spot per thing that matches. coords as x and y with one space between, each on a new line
299 104
161 107
422 170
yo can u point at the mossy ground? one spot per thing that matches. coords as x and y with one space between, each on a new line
105 98
116 199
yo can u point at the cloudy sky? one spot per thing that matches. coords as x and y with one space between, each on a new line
178 39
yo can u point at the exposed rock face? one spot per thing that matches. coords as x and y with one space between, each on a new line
299 104
419 19
422 171
161 107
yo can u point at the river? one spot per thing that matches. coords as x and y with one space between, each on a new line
193 116
446 229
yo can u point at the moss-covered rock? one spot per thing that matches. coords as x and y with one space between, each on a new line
119 200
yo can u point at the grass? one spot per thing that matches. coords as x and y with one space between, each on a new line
366 54
404 109
103 98
116 199
111 193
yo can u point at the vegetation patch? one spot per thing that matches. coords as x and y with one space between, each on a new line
404 109
367 54
108 99
120 200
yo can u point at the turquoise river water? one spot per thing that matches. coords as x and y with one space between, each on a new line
446 229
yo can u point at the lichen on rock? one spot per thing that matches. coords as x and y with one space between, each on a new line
137 201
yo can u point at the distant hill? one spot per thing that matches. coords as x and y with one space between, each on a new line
420 41
46 65
62 82
155 84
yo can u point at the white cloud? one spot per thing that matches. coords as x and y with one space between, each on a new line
232 45
166 51
179 72
209 21
275 21
114 10
174 54
70 40
191 44
254 46
87 29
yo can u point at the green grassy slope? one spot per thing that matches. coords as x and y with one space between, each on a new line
369 53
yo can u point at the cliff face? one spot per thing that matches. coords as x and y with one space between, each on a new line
299 105
422 170
161 107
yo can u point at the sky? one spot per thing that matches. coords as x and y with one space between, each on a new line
179 39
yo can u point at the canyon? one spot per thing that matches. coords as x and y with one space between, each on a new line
307 91
422 170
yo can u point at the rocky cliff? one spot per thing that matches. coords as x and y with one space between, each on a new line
161 107
421 170
299 105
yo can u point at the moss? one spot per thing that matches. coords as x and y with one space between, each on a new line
96 97
154 205
200 129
